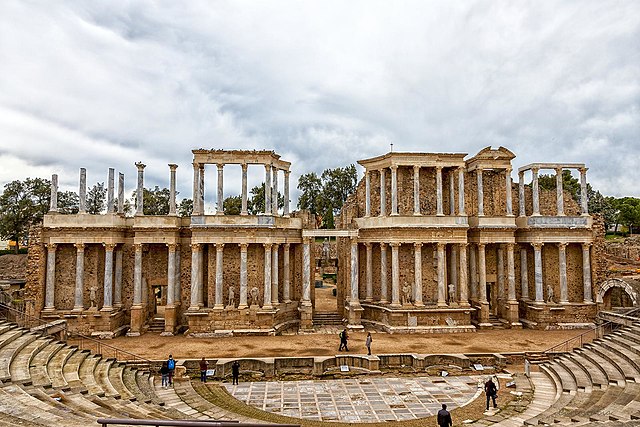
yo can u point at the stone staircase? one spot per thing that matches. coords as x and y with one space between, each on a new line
495 322
327 318
156 325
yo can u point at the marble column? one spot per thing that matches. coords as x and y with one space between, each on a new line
562 264
482 273
461 208
243 275
480 192
274 191
286 273
219 276
463 282
110 192
383 194
107 302
220 204
453 266
78 304
439 210
559 193
584 198
120 193
369 272
286 194
172 189
452 193
355 297
117 288
274 275
244 210
177 288
394 190
53 203
536 194
196 276
395 275
537 263
473 272
201 189
267 189
521 193
511 274
416 190
306 271
507 178
500 268
586 272
442 292
524 274
383 273
367 194
417 274
196 189
137 275
171 274
140 189
267 277
82 191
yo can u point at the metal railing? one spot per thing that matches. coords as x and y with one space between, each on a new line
184 423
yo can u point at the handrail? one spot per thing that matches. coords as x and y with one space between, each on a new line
184 423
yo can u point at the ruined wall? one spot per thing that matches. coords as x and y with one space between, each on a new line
36 271
13 267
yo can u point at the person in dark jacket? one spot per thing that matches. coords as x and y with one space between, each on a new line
444 417
164 372
235 371
203 370
491 391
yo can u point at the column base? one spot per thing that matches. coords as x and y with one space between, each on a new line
417 214
78 308
242 306
419 304
136 321
306 317
442 304
218 307
107 309
244 213
170 313
395 305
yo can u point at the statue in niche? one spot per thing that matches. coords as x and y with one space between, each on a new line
255 293
92 296
406 294
232 297
325 249
550 294
452 293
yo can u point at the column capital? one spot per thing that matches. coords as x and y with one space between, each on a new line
367 245
460 169
244 166
287 172
441 245
275 245
479 169
535 171
394 244
393 167
109 246
287 245
267 245
173 166
416 168
481 245
562 244
537 245
438 168
558 170
521 175
463 245
243 246
79 246
583 170
195 247
140 166
510 246
586 245
172 246
417 245
508 170
51 246
220 166
267 167
137 247
383 246
306 240
353 240
219 246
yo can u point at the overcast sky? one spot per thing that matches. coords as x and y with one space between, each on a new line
105 84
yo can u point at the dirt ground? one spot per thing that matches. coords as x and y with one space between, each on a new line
153 346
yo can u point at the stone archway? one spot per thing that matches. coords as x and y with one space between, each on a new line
616 283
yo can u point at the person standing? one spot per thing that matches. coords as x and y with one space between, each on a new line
204 366
444 417
235 371
164 373
368 343
171 364
344 337
491 391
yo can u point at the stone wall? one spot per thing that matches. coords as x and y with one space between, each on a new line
36 268
13 267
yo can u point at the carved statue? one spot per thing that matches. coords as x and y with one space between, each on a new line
232 297
550 294
452 293
92 296
255 293
325 249
406 294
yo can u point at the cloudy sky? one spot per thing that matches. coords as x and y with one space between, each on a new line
105 84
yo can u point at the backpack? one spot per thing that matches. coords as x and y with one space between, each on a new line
341 335
171 364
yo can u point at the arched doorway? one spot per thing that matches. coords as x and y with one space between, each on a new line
616 293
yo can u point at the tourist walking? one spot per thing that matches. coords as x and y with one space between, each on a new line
235 371
444 417
344 337
368 343
204 366
164 373
171 364
491 391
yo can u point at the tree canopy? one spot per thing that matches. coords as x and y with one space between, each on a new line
22 204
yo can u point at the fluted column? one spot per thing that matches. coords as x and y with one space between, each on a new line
274 275
482 273
439 209
306 271
201 189
511 274
463 282
286 193
417 272
480 192
416 190
117 287
500 268
537 264
453 266
267 276
394 190
586 272
243 275
177 300
452 193
442 299
219 275
171 274
137 275
274 191
110 192
383 273
107 302
172 188
82 191
524 274
120 193
536 194
78 296
521 193
395 274
267 189
196 189
286 273
220 206
473 272
383 194
53 203
369 272
196 276
584 198
562 264
243 210
355 297
507 179
461 208
559 193
140 189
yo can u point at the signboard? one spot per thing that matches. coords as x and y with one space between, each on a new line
344 368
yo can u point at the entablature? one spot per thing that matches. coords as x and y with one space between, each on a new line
425 160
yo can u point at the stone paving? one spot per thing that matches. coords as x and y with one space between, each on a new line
361 399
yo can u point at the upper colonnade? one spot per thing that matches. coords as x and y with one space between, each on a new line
497 160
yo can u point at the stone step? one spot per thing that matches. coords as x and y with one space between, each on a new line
619 362
544 395
613 373
190 393
10 335
71 369
597 375
130 382
101 373
632 348
629 361
172 400
628 335
567 381
580 375
56 364
115 379
142 380
38 366
9 351
88 378
20 366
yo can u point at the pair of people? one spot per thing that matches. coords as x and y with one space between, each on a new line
344 338
166 371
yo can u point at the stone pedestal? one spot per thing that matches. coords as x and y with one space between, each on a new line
137 318
513 315
483 315
354 315
306 317
170 315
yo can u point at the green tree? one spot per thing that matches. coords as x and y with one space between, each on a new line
311 196
22 204
96 197
338 184
232 205
569 183
185 208
68 202
629 215
255 205
154 201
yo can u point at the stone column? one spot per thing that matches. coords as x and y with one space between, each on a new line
267 277
482 273
369 272
507 178
559 192
306 272
219 275
473 272
536 194
82 192
537 262
286 193
196 189
511 274
53 205
274 275
416 190
274 191
521 193
452 193
196 276
171 274
586 272
383 273
355 297
562 264
220 205
78 304
177 299
117 288
395 275
417 272
243 275
172 189
463 284
480 192
267 189
461 208
120 193
140 189
367 193
137 275
524 274
110 192
439 210
383 194
286 272
394 190
584 198
201 189
442 299
107 302
500 268
453 269
244 210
